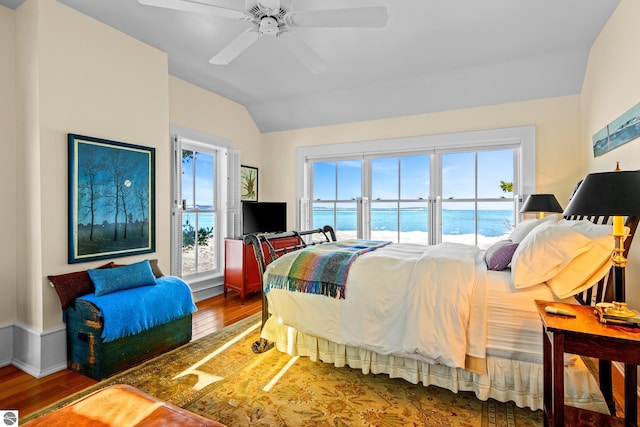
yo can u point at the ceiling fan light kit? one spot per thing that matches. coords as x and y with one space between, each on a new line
276 18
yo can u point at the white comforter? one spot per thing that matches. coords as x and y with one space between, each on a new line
415 301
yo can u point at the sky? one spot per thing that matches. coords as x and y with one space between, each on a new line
413 182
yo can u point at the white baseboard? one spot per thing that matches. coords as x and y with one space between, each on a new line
204 292
6 344
38 353
207 287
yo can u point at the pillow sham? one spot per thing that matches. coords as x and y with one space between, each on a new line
525 227
70 286
125 277
498 255
599 232
544 252
586 269
580 275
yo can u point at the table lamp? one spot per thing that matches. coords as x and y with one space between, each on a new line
541 203
611 194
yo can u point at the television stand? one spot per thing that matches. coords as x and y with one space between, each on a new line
241 268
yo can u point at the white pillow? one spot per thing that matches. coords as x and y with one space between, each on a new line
587 268
580 274
597 232
544 252
525 227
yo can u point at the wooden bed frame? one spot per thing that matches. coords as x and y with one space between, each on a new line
601 292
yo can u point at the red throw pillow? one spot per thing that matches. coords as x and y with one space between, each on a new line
73 285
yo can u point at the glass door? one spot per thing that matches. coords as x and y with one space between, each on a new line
198 189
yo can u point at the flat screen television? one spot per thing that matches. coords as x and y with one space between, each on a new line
264 217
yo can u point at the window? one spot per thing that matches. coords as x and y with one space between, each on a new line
206 204
477 196
400 190
199 211
452 188
337 186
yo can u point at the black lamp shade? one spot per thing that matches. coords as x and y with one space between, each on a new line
541 203
607 194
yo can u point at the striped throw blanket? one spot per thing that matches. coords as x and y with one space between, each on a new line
320 269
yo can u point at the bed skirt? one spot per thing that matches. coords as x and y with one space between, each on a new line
505 380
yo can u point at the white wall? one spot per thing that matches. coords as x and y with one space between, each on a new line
7 168
93 81
612 86
557 122
194 108
8 214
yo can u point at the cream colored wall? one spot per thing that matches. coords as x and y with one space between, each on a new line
28 266
8 167
95 81
557 122
80 76
611 86
194 108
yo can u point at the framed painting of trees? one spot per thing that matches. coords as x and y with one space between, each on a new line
111 199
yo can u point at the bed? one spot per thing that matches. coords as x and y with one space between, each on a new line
486 339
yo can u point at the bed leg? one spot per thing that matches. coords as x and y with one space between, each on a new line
261 346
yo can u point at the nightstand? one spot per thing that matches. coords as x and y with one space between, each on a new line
584 335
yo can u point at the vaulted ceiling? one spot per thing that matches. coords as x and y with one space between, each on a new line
432 55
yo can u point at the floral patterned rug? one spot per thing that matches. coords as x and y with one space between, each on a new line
219 377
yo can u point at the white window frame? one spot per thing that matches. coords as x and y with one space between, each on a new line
523 138
227 202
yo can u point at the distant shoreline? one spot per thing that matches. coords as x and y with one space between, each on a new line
422 237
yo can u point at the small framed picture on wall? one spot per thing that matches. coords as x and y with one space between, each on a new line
248 183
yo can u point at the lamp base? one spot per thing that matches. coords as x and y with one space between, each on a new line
617 314
619 309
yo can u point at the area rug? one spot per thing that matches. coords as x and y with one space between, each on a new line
219 377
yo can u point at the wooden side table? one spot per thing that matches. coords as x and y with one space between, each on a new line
584 335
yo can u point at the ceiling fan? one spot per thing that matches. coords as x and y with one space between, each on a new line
277 19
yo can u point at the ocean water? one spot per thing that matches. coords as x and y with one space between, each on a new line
491 223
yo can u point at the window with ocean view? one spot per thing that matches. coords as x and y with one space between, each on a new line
337 187
199 215
477 196
438 195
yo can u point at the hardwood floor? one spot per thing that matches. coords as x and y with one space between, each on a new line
27 394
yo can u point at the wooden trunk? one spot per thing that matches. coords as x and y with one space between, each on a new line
89 355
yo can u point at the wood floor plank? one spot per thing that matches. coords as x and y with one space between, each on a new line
20 391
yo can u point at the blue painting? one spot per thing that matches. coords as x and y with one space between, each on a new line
620 131
111 199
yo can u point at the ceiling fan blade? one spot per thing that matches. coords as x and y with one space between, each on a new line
198 7
303 52
363 17
236 47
